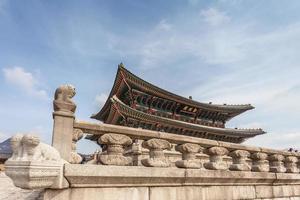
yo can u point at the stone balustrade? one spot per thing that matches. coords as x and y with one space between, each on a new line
130 146
143 164
114 149
189 151
158 144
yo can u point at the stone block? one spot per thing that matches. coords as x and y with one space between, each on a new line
176 193
296 190
263 191
294 198
125 176
228 192
282 191
124 193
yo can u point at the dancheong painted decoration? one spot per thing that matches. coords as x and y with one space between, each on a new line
136 103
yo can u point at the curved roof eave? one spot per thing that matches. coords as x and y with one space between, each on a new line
234 110
246 133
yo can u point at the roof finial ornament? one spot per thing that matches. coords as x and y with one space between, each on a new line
190 97
121 65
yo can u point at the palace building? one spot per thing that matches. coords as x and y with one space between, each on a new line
134 102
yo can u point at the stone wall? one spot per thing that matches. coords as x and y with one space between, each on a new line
140 183
179 193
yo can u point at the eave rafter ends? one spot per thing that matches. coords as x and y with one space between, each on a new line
132 81
127 111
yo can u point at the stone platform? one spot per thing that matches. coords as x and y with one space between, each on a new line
10 192
140 183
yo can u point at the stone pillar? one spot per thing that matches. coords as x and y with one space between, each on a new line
114 154
216 155
189 160
260 162
63 117
276 163
239 160
157 156
136 152
291 164
75 157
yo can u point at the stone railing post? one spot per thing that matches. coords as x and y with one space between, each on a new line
136 152
291 164
260 162
114 153
157 156
75 157
63 117
276 163
189 151
239 160
216 157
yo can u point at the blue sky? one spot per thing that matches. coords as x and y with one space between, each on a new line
222 51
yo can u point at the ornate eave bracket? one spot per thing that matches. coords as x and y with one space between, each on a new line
34 164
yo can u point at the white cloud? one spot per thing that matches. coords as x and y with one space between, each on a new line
214 17
163 25
259 68
238 62
25 80
267 73
231 61
277 140
100 99
253 125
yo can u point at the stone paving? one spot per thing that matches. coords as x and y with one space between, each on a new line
9 192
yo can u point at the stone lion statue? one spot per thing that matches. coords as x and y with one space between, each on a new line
63 99
28 147
65 93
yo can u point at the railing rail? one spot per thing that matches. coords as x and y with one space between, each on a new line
143 134
116 138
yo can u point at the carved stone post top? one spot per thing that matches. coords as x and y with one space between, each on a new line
239 154
63 99
77 134
218 151
63 92
189 148
259 156
157 144
113 138
276 157
292 159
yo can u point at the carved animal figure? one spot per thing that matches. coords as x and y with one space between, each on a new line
65 93
15 143
28 147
